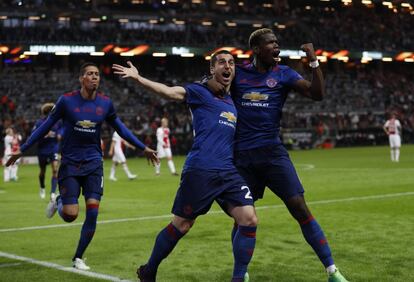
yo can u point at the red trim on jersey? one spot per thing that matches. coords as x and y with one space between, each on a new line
103 96
73 93
306 221
92 206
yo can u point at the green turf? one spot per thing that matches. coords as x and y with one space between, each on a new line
370 238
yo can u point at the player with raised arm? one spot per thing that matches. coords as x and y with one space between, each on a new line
47 152
392 128
164 147
209 171
259 92
118 156
82 113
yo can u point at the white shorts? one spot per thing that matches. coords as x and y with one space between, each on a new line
395 140
163 152
119 157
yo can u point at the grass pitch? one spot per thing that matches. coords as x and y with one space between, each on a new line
362 201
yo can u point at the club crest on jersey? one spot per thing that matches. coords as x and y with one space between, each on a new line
86 123
271 82
99 111
255 96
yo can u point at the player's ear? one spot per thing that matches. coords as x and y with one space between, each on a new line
80 79
256 49
212 70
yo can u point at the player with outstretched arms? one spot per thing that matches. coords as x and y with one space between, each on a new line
81 171
209 171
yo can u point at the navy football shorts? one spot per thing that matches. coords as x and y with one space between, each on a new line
70 183
268 166
199 188
47 159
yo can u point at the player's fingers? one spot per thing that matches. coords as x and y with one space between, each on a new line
130 64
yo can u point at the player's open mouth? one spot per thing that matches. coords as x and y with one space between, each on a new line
226 74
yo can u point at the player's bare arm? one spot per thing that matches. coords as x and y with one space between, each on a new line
314 89
176 93
111 149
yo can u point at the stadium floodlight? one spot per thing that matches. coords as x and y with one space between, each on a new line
406 5
30 53
187 55
94 19
127 54
207 58
1 53
62 53
281 26
243 56
409 60
123 20
366 2
196 1
3 17
387 59
159 54
34 18
222 3
308 7
231 24
257 25
322 59
179 22
64 19
207 23
267 5
97 54
295 57
153 21
240 3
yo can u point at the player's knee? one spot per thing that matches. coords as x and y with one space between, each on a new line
69 217
250 219
183 225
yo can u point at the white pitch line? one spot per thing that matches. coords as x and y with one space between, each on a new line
62 268
321 202
3 265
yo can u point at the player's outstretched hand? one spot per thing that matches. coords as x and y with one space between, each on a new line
14 157
310 52
126 72
216 88
151 156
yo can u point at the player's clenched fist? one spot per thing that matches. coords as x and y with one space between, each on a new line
310 52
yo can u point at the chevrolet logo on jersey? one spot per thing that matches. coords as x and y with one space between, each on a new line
229 116
86 123
255 96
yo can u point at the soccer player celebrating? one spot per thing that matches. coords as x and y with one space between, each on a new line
118 156
209 171
259 92
82 112
47 152
392 128
164 147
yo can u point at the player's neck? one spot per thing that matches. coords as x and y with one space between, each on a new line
88 94
261 66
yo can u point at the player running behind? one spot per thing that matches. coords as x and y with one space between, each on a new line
11 145
392 128
47 152
118 156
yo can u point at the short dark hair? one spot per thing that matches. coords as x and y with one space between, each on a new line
256 36
214 56
84 66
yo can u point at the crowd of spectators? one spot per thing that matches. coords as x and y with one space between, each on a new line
359 99
329 25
